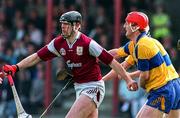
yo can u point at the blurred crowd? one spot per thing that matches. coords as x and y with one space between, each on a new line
23 32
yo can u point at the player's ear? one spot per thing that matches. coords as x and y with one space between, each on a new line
135 28
78 25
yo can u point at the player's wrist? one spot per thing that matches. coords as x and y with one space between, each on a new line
17 68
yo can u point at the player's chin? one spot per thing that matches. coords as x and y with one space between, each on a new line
65 35
128 35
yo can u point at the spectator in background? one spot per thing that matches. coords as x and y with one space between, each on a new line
35 34
97 31
35 19
2 17
18 16
19 49
19 30
161 23
41 8
4 31
2 48
37 89
10 12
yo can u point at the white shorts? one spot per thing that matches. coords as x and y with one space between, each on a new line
94 90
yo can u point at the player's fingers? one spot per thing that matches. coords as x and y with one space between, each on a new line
135 86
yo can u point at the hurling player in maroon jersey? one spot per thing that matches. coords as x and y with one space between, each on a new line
81 55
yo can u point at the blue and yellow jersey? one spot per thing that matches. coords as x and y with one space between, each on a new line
127 51
130 60
171 70
150 55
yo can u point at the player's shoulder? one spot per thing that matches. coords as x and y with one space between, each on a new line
85 38
58 41
147 46
146 42
58 38
156 42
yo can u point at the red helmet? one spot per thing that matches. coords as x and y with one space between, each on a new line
138 18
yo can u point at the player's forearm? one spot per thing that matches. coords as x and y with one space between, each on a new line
29 61
111 75
114 53
135 74
125 65
142 82
117 67
144 76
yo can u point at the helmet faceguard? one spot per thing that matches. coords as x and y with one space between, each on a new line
138 18
71 17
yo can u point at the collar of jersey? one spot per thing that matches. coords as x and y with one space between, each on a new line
77 37
140 36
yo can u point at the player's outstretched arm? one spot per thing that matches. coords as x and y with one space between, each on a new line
114 53
111 75
134 74
29 61
117 67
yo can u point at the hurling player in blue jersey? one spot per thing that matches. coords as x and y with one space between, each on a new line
163 85
156 72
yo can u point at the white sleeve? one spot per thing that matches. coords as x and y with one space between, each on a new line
52 49
95 49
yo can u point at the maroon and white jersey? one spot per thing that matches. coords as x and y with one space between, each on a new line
80 56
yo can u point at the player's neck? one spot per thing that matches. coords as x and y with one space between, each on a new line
134 37
72 38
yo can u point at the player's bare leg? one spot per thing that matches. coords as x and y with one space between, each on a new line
174 114
150 112
82 108
94 114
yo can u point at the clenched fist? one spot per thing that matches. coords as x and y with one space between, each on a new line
132 85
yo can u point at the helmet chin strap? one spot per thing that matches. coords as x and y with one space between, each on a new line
133 30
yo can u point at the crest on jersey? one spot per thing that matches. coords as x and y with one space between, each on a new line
79 50
62 51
